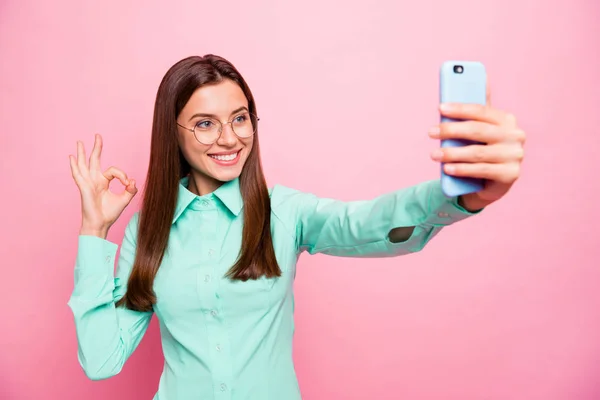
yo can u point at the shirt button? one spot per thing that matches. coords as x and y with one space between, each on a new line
443 215
205 203
206 278
211 252
213 313
223 387
218 347
107 259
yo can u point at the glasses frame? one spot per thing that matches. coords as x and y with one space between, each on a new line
222 125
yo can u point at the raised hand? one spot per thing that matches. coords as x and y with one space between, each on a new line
497 160
99 206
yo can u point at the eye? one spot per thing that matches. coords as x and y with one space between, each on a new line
240 119
204 124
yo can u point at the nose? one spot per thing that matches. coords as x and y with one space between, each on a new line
228 138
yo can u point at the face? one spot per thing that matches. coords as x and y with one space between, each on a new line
223 160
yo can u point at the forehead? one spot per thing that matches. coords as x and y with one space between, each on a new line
219 99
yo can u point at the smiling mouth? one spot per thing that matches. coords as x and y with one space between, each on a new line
225 157
226 160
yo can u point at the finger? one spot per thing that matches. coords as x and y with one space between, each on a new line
504 173
470 130
499 153
75 170
488 93
114 172
81 163
477 131
131 189
129 193
96 152
472 111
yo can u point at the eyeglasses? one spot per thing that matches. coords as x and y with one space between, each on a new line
208 130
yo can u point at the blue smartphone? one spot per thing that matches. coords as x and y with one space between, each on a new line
461 82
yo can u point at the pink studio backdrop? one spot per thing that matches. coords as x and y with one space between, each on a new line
501 306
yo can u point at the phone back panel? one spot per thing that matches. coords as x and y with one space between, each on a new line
466 87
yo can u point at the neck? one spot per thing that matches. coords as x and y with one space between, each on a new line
201 185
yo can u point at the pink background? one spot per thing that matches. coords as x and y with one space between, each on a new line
501 306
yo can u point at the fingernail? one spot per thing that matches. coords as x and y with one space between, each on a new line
437 154
450 168
434 131
445 107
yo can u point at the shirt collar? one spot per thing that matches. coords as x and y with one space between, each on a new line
228 193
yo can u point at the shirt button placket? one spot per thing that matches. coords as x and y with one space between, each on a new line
219 353
211 226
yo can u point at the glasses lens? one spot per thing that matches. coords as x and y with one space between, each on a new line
243 125
207 130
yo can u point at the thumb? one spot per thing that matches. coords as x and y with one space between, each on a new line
130 190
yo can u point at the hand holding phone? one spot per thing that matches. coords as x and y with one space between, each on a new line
461 82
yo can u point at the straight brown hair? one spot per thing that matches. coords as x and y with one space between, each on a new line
167 166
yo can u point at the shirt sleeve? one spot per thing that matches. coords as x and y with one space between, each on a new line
361 228
106 335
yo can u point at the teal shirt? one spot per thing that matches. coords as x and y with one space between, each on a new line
226 339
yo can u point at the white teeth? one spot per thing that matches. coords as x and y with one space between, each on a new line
228 157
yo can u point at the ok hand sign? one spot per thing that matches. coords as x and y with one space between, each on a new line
100 207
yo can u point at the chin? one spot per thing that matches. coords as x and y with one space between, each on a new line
226 177
224 174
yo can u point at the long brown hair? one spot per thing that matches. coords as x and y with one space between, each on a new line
167 166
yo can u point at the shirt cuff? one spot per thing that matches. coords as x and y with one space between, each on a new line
96 255
446 210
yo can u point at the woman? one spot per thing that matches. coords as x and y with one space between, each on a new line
213 251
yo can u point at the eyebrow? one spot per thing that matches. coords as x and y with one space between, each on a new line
237 110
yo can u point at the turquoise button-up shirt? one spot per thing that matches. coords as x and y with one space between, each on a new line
232 340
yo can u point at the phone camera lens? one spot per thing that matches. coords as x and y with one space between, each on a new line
458 69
